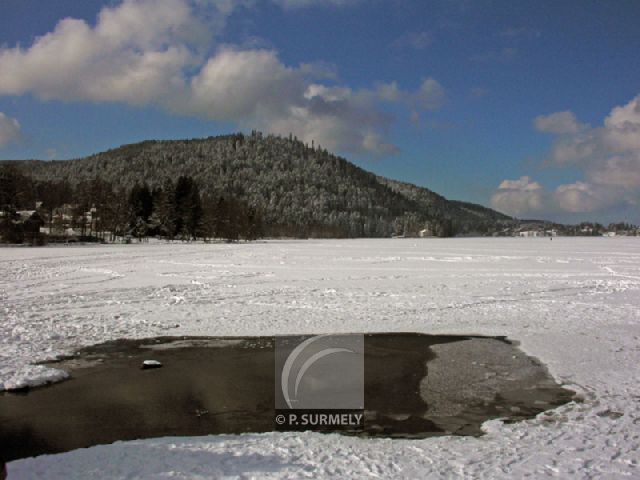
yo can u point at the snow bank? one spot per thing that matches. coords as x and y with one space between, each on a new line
27 376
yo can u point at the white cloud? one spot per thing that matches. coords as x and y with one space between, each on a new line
557 123
580 197
256 90
238 84
153 52
389 92
519 197
336 118
607 156
431 95
622 128
136 53
9 129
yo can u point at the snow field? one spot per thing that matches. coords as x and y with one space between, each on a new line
574 303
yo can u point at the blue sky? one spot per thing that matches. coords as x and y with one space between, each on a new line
530 107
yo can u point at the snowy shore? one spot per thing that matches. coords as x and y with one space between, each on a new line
574 303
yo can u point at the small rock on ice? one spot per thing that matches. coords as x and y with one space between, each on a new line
151 364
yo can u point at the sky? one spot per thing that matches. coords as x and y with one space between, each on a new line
532 108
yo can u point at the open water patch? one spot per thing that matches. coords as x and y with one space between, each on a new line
415 386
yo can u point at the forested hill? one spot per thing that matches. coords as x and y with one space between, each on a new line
298 190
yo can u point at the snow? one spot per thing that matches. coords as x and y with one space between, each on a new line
573 303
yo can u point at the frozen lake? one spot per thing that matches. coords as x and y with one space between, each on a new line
573 303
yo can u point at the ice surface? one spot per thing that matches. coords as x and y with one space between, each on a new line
573 303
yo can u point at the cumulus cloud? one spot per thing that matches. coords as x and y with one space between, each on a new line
136 53
389 92
157 52
558 123
9 129
431 95
519 197
580 197
238 84
255 89
608 157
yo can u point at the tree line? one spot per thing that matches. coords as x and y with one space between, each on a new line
99 210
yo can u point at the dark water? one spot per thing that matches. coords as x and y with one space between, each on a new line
223 385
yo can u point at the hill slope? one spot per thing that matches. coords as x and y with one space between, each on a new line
297 188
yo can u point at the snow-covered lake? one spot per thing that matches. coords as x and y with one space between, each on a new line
572 302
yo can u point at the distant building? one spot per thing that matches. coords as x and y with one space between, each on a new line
531 233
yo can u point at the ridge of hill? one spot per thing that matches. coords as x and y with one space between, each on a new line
298 189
